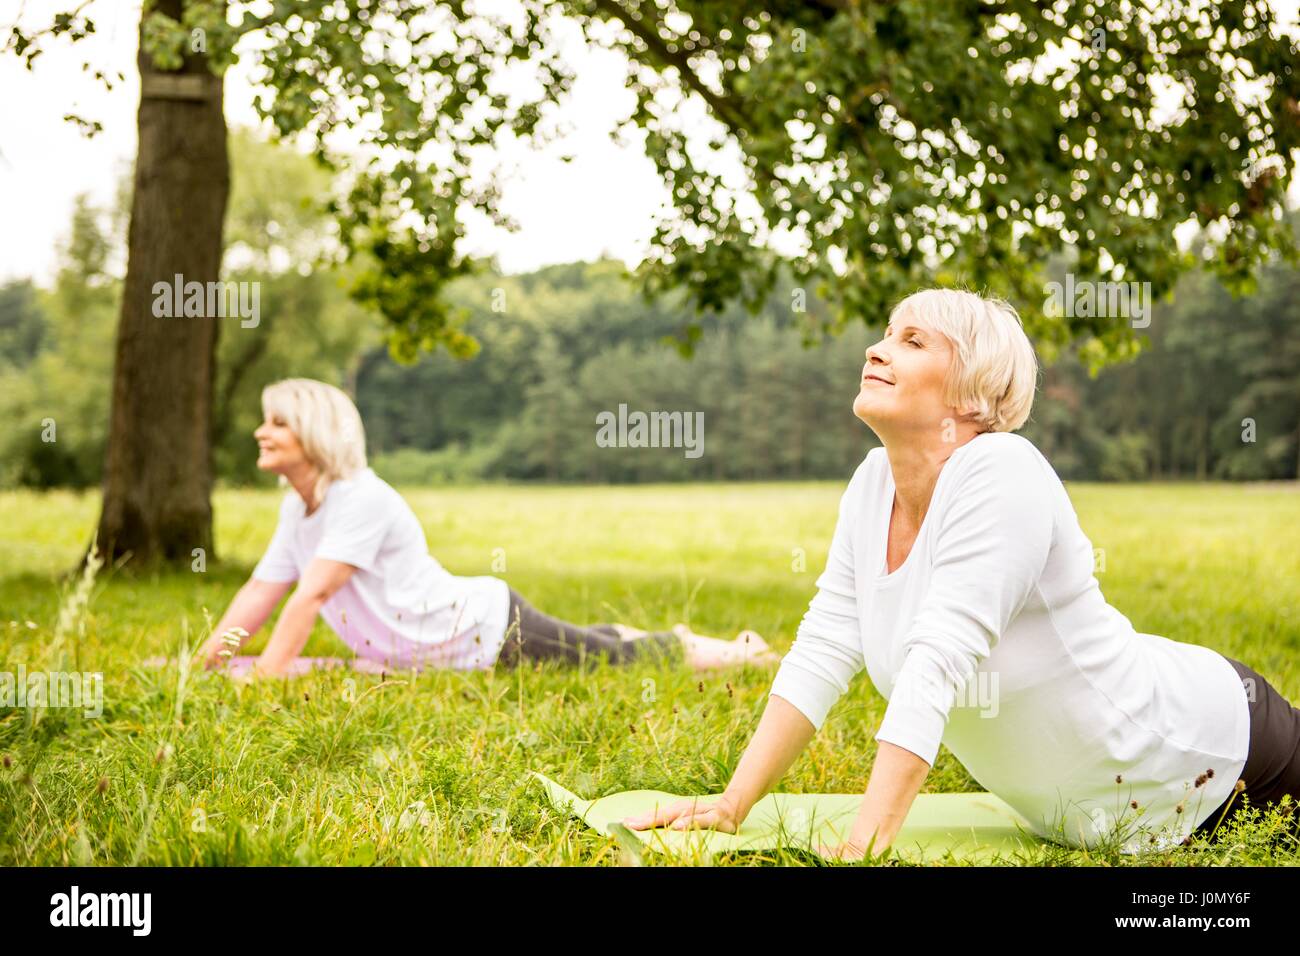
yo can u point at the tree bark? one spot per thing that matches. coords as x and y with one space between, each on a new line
158 468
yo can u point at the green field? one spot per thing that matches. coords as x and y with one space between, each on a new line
430 770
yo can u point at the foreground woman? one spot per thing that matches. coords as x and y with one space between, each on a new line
358 556
959 577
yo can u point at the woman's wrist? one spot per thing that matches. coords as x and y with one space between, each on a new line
739 802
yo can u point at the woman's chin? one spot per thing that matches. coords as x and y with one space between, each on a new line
862 408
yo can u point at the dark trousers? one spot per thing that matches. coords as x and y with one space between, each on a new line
1273 761
532 635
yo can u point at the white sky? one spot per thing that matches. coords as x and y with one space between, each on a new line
45 162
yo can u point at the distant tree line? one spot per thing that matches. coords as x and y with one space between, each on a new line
1214 394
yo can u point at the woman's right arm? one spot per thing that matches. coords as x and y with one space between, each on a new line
270 581
827 653
782 735
248 611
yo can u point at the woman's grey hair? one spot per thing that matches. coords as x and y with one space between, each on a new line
326 423
994 369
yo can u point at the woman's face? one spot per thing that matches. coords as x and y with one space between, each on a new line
902 381
278 447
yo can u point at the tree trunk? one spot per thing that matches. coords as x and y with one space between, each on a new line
1203 453
158 469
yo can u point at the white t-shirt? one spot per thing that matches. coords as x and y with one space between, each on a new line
400 607
993 636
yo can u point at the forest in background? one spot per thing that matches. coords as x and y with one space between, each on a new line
1215 393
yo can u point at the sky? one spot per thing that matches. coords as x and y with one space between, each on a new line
45 161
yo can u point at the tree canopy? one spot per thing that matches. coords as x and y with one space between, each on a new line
889 143
973 139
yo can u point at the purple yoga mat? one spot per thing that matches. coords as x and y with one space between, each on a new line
300 665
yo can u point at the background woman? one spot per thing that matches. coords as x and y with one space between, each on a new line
358 557
959 577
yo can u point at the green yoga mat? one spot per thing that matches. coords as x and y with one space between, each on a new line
940 827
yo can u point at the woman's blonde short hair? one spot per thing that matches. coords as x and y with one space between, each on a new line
994 369
326 423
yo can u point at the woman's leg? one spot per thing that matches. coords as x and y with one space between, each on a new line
1273 760
530 634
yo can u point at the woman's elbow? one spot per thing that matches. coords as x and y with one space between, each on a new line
311 598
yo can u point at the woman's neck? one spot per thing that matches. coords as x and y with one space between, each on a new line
916 468
303 479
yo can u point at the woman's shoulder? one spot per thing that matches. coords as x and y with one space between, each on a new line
867 481
291 506
1005 452
869 465
365 491
875 459
1006 468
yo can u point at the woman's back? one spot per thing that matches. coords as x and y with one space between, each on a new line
1106 715
994 636
400 606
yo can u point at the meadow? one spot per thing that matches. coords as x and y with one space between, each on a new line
339 768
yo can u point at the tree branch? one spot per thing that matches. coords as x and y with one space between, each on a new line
725 109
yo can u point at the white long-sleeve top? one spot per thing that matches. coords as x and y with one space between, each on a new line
994 638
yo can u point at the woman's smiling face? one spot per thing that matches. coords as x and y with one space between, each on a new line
279 449
903 378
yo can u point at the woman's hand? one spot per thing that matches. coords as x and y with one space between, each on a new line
782 733
219 648
248 611
722 814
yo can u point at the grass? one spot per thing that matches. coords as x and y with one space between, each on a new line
347 769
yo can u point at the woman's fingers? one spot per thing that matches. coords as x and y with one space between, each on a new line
705 819
662 816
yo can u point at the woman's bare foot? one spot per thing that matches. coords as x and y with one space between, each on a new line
710 653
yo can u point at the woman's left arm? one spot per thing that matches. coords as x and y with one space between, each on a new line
319 582
895 780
